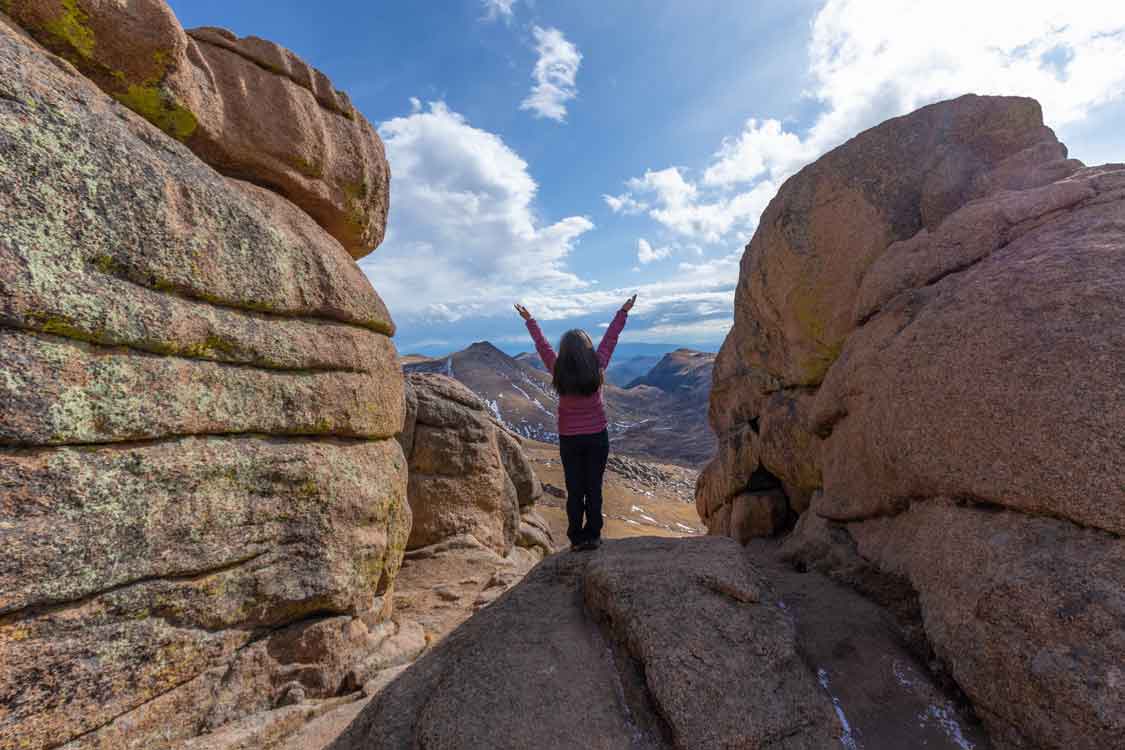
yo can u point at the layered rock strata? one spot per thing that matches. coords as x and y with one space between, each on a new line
202 505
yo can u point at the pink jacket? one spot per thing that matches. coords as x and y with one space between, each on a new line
581 415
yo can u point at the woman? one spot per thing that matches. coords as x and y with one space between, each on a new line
578 372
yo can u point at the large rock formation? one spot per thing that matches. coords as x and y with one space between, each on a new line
296 135
927 349
595 651
468 474
202 503
472 492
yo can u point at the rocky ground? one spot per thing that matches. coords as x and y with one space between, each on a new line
591 651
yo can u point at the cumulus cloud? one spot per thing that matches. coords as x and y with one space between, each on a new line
698 291
624 204
555 75
646 253
705 332
494 9
683 207
868 64
762 149
466 242
869 61
465 239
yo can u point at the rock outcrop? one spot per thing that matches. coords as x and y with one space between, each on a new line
594 651
926 369
468 474
202 504
296 135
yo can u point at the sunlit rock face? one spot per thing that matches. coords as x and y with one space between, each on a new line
202 504
294 134
925 375
468 474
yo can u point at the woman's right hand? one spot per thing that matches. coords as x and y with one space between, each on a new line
523 312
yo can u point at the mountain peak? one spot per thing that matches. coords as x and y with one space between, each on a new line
484 347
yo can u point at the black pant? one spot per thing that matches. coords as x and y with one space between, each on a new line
583 459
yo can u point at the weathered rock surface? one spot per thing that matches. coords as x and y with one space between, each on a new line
1025 613
928 349
296 135
883 692
468 474
202 508
595 651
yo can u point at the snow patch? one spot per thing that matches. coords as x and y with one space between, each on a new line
846 739
902 673
946 719
494 407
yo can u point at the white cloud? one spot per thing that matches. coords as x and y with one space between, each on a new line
646 253
868 65
763 149
555 74
696 290
465 242
494 9
706 331
465 239
624 204
870 61
681 206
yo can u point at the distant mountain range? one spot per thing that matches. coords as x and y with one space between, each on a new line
662 414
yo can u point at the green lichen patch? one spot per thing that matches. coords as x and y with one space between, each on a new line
160 108
807 308
815 367
307 168
356 191
71 29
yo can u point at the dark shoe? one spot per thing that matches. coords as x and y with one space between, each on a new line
594 543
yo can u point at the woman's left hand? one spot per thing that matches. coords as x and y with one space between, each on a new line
629 303
523 312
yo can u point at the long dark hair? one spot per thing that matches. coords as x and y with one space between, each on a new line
577 372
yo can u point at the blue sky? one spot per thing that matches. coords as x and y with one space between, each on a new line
567 153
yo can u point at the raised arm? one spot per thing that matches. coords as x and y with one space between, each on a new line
546 353
542 346
609 340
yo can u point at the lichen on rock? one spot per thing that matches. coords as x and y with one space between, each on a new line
202 506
